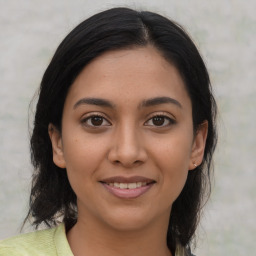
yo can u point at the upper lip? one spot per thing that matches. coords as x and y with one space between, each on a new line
133 179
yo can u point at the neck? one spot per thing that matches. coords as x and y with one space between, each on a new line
91 238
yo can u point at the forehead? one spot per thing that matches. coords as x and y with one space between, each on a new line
128 75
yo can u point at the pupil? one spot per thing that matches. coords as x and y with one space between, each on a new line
158 120
97 120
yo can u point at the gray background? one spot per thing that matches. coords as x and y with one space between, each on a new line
225 32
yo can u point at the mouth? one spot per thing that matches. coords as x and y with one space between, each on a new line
133 185
128 188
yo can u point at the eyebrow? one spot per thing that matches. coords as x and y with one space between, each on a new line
94 101
145 103
159 101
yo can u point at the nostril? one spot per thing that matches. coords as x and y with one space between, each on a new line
126 155
126 163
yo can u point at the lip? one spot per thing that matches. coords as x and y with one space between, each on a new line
127 193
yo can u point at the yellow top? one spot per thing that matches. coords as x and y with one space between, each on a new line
49 242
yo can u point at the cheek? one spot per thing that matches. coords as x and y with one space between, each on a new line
174 152
173 158
174 169
174 173
83 157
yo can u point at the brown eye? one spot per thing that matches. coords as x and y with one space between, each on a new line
95 121
158 120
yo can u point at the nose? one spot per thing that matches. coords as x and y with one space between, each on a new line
127 147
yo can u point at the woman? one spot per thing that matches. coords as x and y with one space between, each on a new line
122 144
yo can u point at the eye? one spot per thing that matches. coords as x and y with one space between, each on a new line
95 121
160 121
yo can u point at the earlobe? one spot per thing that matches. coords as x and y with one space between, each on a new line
198 147
57 147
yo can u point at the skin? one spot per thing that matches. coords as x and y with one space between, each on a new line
126 141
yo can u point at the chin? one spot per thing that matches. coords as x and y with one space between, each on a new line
133 219
128 224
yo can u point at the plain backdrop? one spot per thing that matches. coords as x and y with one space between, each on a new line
224 31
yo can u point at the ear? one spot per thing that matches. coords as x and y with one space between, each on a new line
57 147
198 146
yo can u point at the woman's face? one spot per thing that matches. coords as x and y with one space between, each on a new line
127 139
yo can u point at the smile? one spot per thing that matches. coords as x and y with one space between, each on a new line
127 185
127 188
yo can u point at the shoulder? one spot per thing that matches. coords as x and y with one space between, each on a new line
29 244
39 243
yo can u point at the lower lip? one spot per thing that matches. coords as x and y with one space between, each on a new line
127 193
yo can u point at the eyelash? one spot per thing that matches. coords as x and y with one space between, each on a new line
86 119
166 119
170 121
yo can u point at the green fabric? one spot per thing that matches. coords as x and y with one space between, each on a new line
49 242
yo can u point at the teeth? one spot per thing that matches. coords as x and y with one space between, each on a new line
123 185
128 185
139 184
132 185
